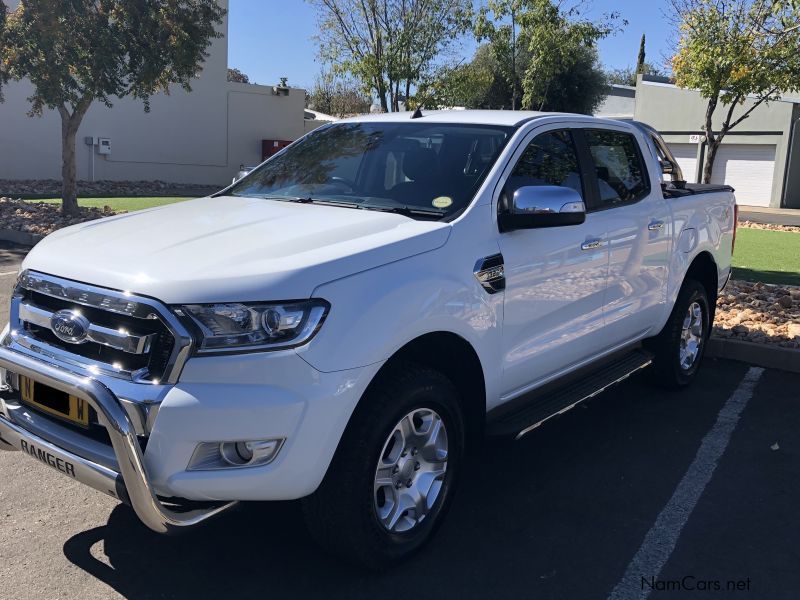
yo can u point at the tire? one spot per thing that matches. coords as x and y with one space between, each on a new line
676 363
350 514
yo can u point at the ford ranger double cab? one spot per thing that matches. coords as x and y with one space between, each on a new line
344 323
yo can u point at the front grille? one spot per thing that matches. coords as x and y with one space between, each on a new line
123 335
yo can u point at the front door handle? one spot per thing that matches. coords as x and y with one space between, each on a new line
656 225
591 244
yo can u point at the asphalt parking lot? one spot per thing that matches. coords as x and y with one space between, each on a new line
691 488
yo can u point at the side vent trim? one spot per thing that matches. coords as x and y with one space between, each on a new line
490 273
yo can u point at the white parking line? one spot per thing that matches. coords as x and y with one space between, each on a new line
660 541
9 272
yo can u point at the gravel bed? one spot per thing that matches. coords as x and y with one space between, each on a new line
759 312
52 188
41 218
768 226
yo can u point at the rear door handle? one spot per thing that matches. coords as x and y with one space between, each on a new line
656 225
591 244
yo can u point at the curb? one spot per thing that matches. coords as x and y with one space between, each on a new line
761 355
23 238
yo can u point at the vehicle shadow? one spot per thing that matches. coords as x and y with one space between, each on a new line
11 255
556 515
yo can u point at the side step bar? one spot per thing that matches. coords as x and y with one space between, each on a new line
544 406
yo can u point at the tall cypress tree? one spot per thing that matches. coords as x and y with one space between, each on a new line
640 60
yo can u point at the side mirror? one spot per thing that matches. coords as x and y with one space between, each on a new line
535 206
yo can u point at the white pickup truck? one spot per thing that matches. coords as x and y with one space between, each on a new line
347 321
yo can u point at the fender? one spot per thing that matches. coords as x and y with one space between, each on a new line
375 313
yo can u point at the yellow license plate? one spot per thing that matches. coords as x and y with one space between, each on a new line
54 402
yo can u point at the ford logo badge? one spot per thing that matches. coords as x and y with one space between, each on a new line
70 326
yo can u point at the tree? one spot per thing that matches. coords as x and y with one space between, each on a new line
237 76
3 71
81 51
627 76
540 48
389 46
538 55
561 43
732 51
337 95
577 85
640 64
498 22
474 84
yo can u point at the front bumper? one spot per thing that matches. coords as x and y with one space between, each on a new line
131 484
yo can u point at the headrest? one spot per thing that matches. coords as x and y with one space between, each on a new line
421 164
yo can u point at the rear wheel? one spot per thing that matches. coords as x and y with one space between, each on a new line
680 346
395 471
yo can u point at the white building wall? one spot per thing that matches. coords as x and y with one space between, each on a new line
200 137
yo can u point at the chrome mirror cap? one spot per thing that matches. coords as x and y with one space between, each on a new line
536 206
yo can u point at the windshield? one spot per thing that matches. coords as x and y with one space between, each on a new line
425 170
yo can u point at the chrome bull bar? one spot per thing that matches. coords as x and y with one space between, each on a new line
131 483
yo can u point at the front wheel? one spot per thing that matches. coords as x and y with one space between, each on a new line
680 346
395 471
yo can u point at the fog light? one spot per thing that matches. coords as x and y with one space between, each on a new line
225 455
239 454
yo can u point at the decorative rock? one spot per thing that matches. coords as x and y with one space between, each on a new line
766 314
40 218
52 188
769 226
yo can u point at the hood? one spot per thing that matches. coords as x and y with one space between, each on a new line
230 249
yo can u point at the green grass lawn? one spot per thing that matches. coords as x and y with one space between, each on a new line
119 203
767 256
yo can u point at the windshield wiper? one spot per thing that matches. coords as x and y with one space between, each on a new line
407 211
306 200
301 199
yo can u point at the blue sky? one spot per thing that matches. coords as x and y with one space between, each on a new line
269 39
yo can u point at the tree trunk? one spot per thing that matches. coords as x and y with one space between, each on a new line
381 89
69 129
713 143
708 167
69 185
513 58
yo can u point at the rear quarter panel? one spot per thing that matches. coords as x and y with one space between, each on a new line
702 223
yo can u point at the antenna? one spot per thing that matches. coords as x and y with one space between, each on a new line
417 113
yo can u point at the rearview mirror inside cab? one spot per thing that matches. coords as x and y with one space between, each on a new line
531 207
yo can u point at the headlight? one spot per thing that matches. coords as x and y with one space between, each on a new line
267 326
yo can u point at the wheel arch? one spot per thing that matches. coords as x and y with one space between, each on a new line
454 357
704 270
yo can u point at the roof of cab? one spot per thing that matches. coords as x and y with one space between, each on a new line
513 118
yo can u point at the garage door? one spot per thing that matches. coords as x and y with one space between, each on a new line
749 169
686 155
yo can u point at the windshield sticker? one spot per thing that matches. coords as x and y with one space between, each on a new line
442 201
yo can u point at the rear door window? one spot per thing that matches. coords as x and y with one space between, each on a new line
621 174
